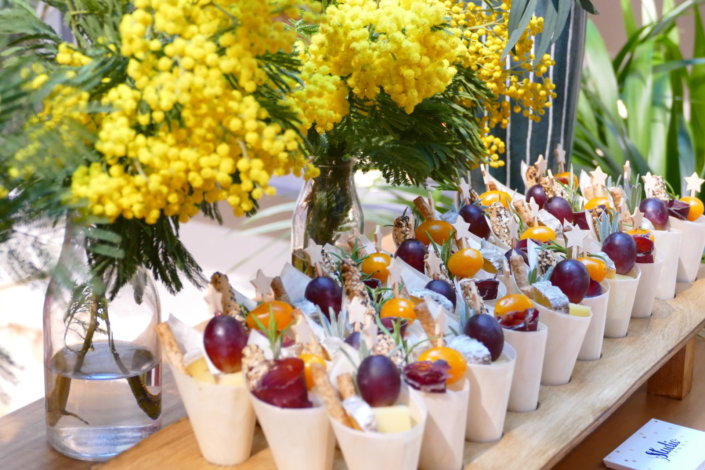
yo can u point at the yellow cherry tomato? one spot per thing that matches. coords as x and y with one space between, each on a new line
489 197
309 360
283 314
400 308
512 303
377 266
597 268
596 202
465 263
455 360
438 230
696 207
540 233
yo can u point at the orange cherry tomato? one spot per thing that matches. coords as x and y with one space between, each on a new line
455 360
489 197
439 230
596 202
400 308
377 266
597 268
512 303
565 178
696 207
309 360
465 263
540 233
640 232
283 314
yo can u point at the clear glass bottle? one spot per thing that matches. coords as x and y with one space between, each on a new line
102 374
328 210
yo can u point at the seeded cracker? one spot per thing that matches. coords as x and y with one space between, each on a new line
524 212
521 274
170 347
230 306
499 220
254 365
329 396
403 229
472 296
279 291
655 186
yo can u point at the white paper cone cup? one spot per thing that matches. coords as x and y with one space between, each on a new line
591 349
531 349
444 437
221 416
490 386
377 451
646 292
668 246
565 338
621 302
300 439
691 248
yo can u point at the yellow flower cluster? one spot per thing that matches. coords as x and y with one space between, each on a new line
186 127
400 47
485 35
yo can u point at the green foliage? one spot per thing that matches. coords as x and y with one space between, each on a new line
636 107
440 139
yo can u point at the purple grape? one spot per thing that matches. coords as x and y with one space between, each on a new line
413 252
326 293
572 277
594 290
656 211
353 339
538 193
444 288
379 380
560 209
474 216
389 322
621 249
224 338
487 330
284 385
580 219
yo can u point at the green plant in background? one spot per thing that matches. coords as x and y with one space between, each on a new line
647 105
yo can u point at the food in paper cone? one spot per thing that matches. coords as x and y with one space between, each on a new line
668 244
691 248
520 321
207 372
591 349
623 291
650 267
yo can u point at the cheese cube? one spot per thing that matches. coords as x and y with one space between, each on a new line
198 369
393 419
579 310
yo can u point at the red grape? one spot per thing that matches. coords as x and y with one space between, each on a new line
427 376
526 320
560 209
224 338
656 211
594 290
474 216
678 209
444 288
621 249
326 293
379 380
572 277
537 192
486 329
284 385
413 252
487 288
580 219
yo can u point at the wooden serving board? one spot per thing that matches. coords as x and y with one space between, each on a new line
539 439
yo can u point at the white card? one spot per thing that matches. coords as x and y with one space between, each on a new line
660 445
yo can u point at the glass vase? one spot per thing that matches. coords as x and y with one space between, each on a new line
327 210
102 376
